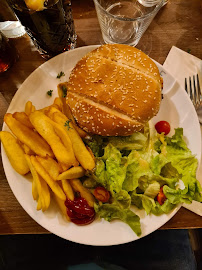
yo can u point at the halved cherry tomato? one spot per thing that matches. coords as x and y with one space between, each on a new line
162 126
161 196
101 194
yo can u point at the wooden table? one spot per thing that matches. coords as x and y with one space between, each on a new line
178 23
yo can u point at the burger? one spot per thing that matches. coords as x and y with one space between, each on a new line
114 90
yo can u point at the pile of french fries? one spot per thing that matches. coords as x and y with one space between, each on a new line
48 143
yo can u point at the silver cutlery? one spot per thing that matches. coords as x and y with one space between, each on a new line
192 87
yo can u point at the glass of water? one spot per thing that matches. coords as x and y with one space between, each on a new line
124 21
149 3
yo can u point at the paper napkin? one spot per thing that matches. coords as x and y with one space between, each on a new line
181 64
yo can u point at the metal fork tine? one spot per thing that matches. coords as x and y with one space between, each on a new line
186 85
198 86
194 91
195 94
190 89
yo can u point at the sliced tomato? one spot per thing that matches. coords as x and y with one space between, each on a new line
162 127
101 194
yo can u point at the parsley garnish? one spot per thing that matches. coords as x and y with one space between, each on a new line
67 124
60 74
188 50
49 93
64 90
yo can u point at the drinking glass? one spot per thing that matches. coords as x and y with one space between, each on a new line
148 3
124 21
50 26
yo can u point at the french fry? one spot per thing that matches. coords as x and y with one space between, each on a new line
67 111
29 108
27 150
85 193
45 194
51 110
27 136
64 167
34 190
80 131
91 152
50 165
62 207
80 150
46 109
67 143
14 152
56 106
41 186
55 187
35 176
68 189
23 118
39 204
43 126
58 102
63 136
74 172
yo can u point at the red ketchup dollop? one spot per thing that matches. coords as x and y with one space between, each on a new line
79 211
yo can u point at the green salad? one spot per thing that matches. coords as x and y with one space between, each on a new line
151 171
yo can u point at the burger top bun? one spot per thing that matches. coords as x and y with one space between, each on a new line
114 90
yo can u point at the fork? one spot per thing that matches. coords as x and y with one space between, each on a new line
194 91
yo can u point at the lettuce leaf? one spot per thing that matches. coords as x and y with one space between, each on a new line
152 190
136 141
111 169
112 211
181 158
122 199
137 166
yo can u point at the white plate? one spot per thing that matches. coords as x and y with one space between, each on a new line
176 108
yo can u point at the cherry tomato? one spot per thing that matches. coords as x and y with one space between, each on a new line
162 126
101 194
161 196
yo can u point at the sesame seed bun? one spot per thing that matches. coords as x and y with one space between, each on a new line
114 90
